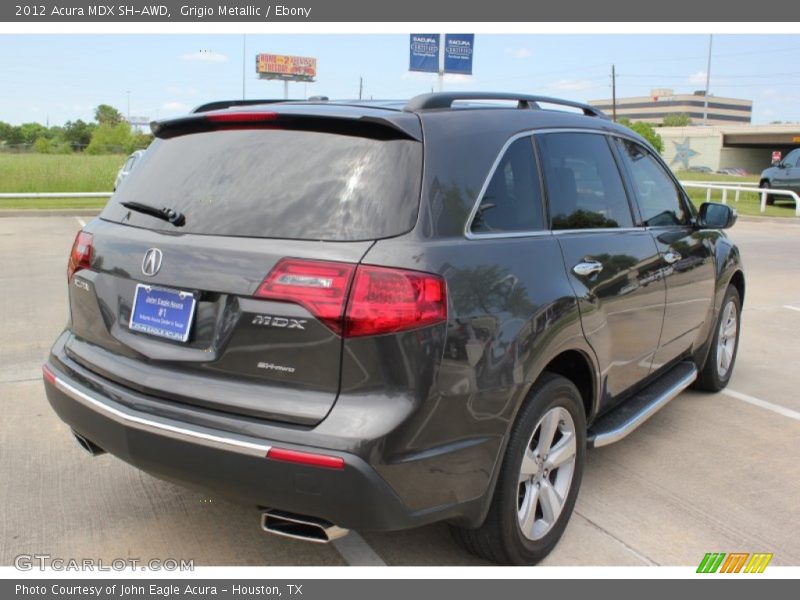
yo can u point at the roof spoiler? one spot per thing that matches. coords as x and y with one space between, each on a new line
223 104
364 126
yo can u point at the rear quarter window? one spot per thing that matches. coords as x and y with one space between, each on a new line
277 184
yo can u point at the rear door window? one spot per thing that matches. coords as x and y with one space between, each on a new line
277 184
512 202
584 186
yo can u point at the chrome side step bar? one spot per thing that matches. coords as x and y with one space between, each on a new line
300 527
634 411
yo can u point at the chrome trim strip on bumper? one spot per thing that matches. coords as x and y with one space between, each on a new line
615 435
156 425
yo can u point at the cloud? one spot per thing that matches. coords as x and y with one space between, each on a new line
519 52
208 56
571 85
697 78
174 106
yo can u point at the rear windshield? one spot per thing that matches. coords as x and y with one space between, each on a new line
276 184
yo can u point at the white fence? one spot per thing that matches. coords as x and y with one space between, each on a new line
56 195
738 188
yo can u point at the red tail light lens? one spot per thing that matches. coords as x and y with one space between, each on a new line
388 300
81 255
306 458
319 286
382 300
48 375
242 117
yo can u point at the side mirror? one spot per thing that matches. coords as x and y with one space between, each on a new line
714 215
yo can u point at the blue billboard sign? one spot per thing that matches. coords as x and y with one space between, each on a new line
458 50
424 52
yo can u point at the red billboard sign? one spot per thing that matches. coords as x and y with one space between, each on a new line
289 68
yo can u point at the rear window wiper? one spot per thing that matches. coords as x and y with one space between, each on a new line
165 214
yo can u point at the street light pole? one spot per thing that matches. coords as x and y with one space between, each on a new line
708 80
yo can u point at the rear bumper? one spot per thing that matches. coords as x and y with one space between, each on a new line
151 435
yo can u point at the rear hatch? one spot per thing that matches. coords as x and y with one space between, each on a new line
235 301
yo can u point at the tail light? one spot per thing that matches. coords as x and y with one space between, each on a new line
388 300
319 286
81 255
252 117
381 300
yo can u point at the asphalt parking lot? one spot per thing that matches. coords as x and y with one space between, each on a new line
708 473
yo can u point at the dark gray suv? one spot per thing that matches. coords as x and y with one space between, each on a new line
377 316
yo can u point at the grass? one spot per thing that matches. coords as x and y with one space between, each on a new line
749 203
32 172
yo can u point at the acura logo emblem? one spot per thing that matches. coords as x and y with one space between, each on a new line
151 262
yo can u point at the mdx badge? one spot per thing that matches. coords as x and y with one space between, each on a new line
151 262
281 322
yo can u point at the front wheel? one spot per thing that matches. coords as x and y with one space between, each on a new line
539 478
718 368
770 197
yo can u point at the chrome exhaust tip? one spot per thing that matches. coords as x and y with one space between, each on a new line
90 447
300 527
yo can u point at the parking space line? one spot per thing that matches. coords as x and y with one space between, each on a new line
356 552
790 307
776 408
80 221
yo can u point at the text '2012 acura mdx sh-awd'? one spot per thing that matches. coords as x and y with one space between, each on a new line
380 315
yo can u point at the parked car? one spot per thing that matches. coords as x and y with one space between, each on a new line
125 169
377 316
732 171
783 175
700 169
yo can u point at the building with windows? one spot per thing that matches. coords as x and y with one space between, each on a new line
663 102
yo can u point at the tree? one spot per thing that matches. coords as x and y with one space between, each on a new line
647 131
29 132
111 139
106 114
6 131
677 120
78 133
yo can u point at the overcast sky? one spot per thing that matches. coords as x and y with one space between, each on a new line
61 78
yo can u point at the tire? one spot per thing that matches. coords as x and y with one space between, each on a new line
554 401
721 359
770 197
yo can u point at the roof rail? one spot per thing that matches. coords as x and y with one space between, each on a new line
445 100
222 104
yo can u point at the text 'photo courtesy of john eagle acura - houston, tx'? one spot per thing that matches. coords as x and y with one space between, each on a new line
379 315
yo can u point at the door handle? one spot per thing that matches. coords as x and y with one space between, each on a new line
586 268
672 257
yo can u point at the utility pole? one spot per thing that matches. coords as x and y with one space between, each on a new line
129 106
244 57
360 87
614 92
708 80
